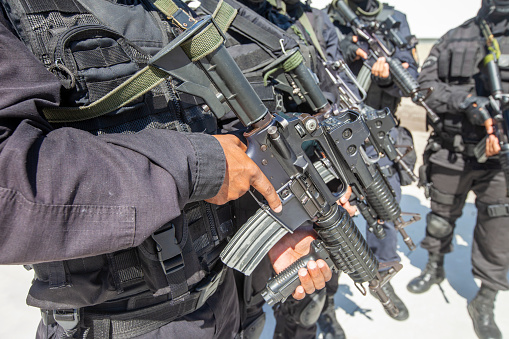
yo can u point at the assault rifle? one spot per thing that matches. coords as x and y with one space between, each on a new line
275 145
499 101
379 123
372 192
377 49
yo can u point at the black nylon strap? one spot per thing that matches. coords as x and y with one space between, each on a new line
42 6
100 57
441 198
125 269
501 210
56 274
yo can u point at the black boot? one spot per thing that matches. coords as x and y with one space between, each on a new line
329 326
432 274
481 312
403 311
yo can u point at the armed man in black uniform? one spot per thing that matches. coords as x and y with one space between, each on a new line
452 167
375 76
104 195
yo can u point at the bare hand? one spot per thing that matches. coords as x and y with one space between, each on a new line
241 173
344 201
492 143
292 247
380 68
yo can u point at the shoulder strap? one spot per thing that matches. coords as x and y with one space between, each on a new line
304 20
149 77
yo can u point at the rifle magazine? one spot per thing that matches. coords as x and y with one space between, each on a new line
253 241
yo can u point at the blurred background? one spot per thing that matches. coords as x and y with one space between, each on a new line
440 313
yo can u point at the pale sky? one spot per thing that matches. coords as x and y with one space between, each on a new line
430 18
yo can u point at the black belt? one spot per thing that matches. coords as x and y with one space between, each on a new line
115 319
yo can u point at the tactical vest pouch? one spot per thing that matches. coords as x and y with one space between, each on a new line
464 62
189 244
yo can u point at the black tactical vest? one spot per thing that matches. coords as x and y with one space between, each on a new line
460 65
92 46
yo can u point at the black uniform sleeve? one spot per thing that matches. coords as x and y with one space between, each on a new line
65 193
446 97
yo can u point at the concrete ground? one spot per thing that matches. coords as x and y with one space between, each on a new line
441 313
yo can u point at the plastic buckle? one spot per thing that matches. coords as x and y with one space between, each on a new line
168 251
67 319
501 210
209 288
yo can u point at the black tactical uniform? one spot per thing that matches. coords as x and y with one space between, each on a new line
381 93
455 69
109 211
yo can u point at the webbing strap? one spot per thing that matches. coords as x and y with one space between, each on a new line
500 210
139 84
290 64
209 39
491 43
264 38
304 20
441 198
149 77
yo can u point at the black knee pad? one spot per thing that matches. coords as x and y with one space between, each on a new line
437 226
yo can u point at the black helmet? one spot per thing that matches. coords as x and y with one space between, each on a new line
494 7
365 8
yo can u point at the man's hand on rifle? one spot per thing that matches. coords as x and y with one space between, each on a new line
241 173
492 143
381 72
351 51
344 202
292 247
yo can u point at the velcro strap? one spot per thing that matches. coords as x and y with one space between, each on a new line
501 210
100 57
56 274
45 6
125 269
441 198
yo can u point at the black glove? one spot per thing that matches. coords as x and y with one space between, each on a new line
382 82
476 109
349 49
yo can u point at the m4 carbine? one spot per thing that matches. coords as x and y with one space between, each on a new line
377 49
499 101
379 123
375 198
275 145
